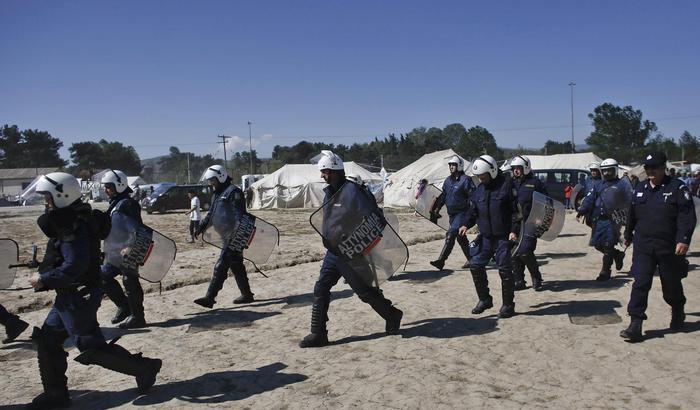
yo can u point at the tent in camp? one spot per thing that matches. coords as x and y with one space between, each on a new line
560 161
400 188
300 186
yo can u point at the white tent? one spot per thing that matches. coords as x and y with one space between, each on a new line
135 180
400 189
299 186
560 161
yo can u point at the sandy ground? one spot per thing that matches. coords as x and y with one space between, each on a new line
562 350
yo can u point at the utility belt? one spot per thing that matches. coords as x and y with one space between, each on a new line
81 291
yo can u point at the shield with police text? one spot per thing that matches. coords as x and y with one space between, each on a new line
355 229
249 235
545 221
132 246
9 257
429 200
617 200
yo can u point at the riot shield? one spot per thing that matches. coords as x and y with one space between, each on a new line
9 256
354 229
392 219
696 201
545 221
575 193
254 237
617 199
426 201
131 245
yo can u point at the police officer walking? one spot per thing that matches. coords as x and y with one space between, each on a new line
130 303
526 184
455 195
226 197
661 223
333 267
14 326
605 232
71 268
495 210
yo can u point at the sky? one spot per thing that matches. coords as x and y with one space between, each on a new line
153 74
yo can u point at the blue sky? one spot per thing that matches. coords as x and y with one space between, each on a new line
158 73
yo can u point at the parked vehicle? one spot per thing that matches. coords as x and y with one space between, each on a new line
555 180
169 197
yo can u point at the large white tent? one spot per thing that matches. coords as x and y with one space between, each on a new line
400 189
561 161
299 186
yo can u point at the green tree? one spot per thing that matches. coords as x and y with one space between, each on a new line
619 133
555 147
478 141
690 147
666 145
93 156
29 148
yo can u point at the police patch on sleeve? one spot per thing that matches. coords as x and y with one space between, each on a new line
686 195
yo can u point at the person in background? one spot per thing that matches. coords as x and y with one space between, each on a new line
193 213
567 195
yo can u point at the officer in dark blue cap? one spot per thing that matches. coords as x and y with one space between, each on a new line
661 224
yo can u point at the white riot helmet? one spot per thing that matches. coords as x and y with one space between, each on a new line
355 178
485 164
329 160
594 165
215 171
455 159
608 163
116 177
64 188
521 161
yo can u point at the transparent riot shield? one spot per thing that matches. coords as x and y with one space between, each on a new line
9 258
392 219
254 237
577 195
696 201
354 229
545 221
617 200
427 201
132 245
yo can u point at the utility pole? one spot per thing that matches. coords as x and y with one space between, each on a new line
573 144
250 146
188 168
223 141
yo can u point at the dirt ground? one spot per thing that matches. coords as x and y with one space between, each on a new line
562 350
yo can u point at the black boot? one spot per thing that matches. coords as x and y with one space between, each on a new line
52 369
508 294
439 263
241 276
114 357
14 326
217 282
633 333
114 292
319 316
532 266
519 273
481 284
134 294
605 272
677 318
619 259
375 298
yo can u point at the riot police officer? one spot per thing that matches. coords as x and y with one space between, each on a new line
525 184
495 210
14 326
130 305
333 267
226 196
605 233
71 268
455 195
661 224
595 177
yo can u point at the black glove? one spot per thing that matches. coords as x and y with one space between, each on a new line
434 216
199 230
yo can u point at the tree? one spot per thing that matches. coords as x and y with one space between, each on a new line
29 148
690 147
478 141
555 147
666 145
619 133
175 168
92 156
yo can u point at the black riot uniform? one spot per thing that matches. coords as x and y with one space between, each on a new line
226 194
455 196
71 268
129 305
526 185
661 217
333 268
14 326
